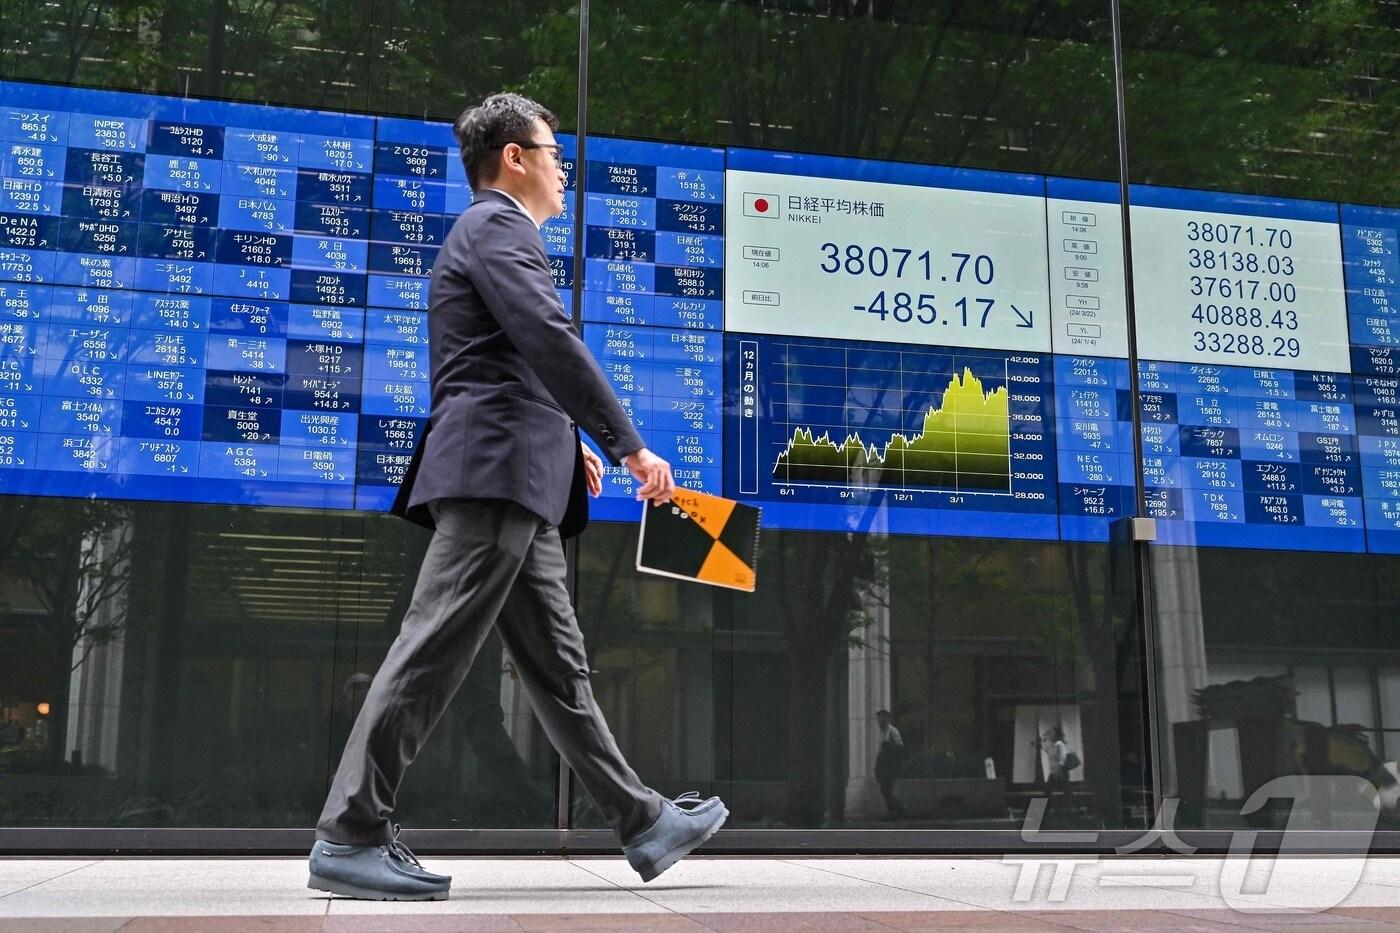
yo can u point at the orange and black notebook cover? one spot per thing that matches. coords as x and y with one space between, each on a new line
697 536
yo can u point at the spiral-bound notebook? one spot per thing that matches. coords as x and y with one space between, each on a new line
700 537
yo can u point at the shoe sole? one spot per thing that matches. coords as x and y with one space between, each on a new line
317 883
675 855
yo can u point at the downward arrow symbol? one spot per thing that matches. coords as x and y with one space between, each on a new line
1027 317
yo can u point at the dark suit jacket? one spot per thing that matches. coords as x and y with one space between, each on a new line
509 373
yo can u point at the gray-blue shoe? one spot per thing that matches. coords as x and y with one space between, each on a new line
684 824
376 873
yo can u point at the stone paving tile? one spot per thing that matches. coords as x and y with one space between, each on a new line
1138 921
63 924
547 923
701 887
171 887
421 923
825 921
1382 914
990 884
913 920
1365 894
224 925
1294 921
17 874
1305 885
1381 871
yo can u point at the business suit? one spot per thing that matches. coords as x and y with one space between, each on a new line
496 473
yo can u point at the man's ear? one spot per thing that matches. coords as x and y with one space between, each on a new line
507 165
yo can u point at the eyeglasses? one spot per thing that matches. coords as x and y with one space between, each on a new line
556 150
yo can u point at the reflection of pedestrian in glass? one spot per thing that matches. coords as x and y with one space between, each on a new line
1057 751
889 761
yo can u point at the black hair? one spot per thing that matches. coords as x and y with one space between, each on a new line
483 130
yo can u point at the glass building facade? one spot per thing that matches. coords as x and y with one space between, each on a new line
1053 338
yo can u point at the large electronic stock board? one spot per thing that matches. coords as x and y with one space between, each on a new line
218 302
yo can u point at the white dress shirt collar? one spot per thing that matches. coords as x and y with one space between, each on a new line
512 198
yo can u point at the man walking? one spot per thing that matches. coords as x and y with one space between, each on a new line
500 475
889 762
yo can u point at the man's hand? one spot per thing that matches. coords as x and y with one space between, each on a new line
658 485
592 471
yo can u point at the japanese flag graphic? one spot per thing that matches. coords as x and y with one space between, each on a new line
761 205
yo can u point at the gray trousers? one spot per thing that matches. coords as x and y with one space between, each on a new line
489 562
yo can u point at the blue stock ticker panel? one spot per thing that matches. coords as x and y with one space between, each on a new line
217 302
652 302
1269 394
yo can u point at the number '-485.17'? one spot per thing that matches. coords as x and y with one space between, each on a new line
904 308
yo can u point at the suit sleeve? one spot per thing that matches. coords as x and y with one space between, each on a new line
507 263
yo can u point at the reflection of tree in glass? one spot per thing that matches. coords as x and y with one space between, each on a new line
73 556
953 83
1284 100
411 59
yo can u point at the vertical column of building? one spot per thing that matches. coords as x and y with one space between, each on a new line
653 235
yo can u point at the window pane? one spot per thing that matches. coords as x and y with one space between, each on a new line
976 644
1257 164
201 665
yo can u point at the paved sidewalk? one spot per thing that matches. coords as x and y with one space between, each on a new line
174 895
